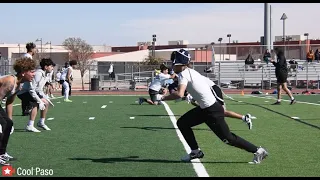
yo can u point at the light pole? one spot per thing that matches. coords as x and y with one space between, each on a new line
283 18
40 39
229 35
49 47
213 60
206 55
220 39
201 53
307 42
154 39
19 49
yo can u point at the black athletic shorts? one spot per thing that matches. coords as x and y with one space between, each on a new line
218 94
153 95
282 77
28 100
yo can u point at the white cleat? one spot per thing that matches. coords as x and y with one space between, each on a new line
43 126
32 129
4 161
260 155
248 120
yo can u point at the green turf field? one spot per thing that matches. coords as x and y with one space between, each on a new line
112 144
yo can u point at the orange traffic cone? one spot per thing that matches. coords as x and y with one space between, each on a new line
242 93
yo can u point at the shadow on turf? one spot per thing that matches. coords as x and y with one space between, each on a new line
284 115
136 159
170 128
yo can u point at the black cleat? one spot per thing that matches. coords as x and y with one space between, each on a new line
192 155
277 103
293 101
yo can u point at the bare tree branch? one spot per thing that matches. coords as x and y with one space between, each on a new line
80 51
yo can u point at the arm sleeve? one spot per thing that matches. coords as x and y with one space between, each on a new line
33 84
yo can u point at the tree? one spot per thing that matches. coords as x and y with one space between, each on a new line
80 51
151 63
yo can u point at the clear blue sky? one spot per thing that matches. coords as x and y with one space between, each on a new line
126 24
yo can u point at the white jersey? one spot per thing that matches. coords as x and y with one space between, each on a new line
58 76
159 81
198 87
65 72
36 86
27 55
49 77
209 82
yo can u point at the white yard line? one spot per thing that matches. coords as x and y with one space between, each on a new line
104 106
197 165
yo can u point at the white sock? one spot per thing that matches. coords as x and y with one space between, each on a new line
292 98
279 100
30 123
243 118
42 121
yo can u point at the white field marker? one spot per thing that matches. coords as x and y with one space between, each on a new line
58 102
49 119
85 102
91 118
110 101
266 101
131 117
295 117
104 106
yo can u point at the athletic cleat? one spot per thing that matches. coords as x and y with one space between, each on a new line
293 101
43 126
192 155
141 100
3 161
248 120
277 103
67 100
7 157
32 129
260 155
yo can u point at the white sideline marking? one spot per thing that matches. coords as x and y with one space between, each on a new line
197 165
58 102
266 101
302 102
110 101
91 118
131 117
49 119
84 102
295 117
136 101
240 101
104 106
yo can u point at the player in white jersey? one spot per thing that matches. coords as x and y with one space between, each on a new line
156 88
66 79
57 80
209 111
9 86
33 96
31 50
49 86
